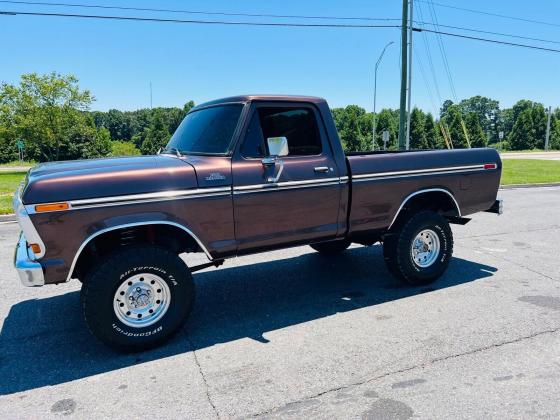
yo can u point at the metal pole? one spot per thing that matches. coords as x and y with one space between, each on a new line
547 128
409 76
402 114
374 125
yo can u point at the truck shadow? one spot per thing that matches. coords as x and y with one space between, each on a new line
45 341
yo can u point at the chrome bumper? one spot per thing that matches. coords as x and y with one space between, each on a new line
30 271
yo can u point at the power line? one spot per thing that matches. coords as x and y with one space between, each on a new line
193 21
271 24
429 54
278 16
442 50
494 41
481 12
145 9
462 28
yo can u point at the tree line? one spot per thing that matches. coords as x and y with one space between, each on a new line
51 115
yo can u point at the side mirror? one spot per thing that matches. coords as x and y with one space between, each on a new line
277 146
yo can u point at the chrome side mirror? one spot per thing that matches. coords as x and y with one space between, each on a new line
277 147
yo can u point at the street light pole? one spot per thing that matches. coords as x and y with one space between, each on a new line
374 125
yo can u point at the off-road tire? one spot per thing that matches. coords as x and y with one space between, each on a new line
103 280
331 247
397 248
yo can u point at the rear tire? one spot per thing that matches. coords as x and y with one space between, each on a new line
137 298
331 247
420 248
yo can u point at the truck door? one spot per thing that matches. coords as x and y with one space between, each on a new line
290 199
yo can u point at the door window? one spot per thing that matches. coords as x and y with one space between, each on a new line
298 125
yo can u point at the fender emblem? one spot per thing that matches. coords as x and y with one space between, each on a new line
215 176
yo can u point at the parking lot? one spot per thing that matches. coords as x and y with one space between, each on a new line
292 334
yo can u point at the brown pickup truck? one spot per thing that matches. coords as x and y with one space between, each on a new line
240 175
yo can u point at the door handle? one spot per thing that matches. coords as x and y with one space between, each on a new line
270 162
321 169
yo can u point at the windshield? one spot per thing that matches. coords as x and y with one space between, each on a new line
207 131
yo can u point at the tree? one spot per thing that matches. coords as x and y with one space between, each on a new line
454 123
522 136
418 138
354 128
156 135
123 148
48 112
476 134
487 112
387 120
434 140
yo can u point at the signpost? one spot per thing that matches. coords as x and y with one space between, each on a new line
385 137
20 145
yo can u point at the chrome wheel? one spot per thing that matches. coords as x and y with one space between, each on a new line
141 300
425 248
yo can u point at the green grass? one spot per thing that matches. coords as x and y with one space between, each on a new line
530 171
18 163
9 181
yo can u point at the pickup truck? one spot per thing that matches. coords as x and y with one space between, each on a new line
240 175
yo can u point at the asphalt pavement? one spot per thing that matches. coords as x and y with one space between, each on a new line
292 334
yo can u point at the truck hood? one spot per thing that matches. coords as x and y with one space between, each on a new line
81 179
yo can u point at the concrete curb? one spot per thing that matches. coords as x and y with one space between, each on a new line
7 217
544 184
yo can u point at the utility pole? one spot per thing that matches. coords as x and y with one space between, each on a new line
547 128
404 57
409 75
374 125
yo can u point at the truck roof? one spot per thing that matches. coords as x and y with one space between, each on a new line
260 97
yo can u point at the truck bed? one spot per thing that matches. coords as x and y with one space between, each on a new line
381 181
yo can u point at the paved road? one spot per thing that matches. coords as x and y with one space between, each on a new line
291 334
14 168
532 155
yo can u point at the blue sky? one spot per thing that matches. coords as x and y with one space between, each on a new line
117 60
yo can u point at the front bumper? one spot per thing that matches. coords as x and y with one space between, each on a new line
30 271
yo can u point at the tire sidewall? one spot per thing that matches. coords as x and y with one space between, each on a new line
100 313
440 227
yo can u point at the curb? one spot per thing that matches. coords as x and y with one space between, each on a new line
7 217
544 184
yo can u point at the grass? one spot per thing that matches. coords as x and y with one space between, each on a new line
9 181
515 171
18 163
530 171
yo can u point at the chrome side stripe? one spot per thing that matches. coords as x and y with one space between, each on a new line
141 198
287 185
417 172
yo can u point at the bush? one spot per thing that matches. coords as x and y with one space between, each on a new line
123 148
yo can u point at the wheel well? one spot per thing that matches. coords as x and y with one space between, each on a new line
164 235
439 201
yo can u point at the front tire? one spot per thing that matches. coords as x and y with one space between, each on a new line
419 250
137 298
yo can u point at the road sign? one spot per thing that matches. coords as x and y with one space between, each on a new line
385 137
20 144
501 135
